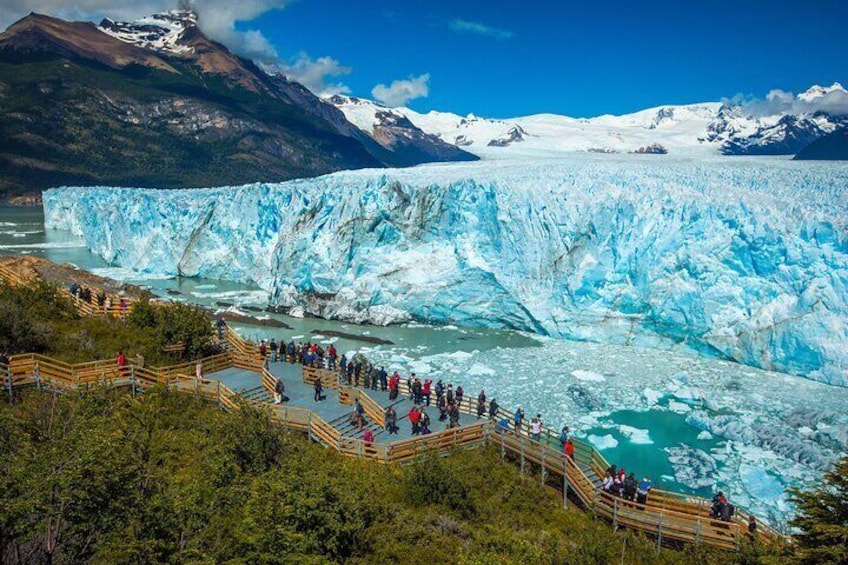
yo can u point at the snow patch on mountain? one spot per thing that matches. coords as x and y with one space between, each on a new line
159 32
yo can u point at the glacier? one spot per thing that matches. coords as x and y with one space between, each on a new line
744 259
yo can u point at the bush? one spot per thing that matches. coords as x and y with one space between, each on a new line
823 519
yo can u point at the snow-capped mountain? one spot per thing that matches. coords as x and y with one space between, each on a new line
394 131
706 128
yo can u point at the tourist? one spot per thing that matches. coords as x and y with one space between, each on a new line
719 502
220 325
319 388
481 404
642 490
618 484
391 421
101 299
608 483
122 306
517 418
360 412
121 360
375 377
279 391
357 371
383 377
752 528
198 371
394 386
440 390
332 355
536 428
263 349
139 360
424 423
273 347
368 438
568 448
417 391
414 417
442 405
453 414
425 391
459 393
563 437
630 487
493 409
291 351
449 395
409 381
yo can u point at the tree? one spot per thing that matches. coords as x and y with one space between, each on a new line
823 519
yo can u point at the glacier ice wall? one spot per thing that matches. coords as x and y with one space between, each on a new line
746 259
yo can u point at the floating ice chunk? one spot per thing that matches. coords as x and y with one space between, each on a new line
603 442
205 287
297 312
679 407
478 369
651 396
635 435
693 467
705 435
591 376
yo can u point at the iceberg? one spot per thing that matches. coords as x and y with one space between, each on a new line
745 260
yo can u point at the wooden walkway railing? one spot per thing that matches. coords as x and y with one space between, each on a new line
114 305
667 515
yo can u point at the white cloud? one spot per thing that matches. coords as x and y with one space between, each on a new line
402 91
833 100
314 74
465 26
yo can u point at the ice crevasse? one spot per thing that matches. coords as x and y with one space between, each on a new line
745 259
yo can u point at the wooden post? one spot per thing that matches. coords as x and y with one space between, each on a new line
544 470
309 426
132 379
9 379
698 533
36 372
565 485
218 392
659 533
522 456
615 514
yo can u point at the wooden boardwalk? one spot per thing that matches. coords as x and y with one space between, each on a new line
241 377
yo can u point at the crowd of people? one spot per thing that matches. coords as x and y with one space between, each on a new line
621 484
103 300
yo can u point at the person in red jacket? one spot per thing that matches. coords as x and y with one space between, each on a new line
368 437
425 391
568 447
394 385
414 417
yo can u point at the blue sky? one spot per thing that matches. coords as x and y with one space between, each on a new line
505 59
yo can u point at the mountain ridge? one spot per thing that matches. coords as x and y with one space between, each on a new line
81 106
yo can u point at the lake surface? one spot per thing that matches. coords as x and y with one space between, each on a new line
694 424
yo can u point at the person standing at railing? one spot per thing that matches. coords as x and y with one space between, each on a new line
273 347
568 449
198 371
409 388
481 404
517 418
416 391
440 390
642 490
332 355
290 351
442 404
318 390
563 437
449 395
493 409
121 362
139 360
220 326
536 428
460 392
122 306
394 386
101 298
384 379
425 391
343 367
453 415
368 438
107 305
